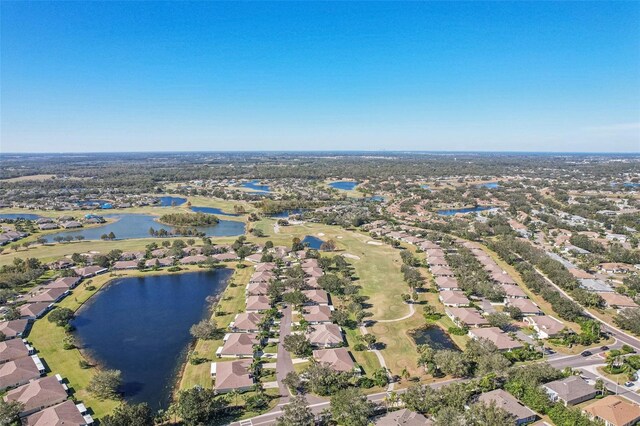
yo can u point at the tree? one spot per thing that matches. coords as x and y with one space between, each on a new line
349 407
104 384
207 329
296 413
9 412
298 344
499 319
60 316
482 414
329 245
293 381
199 406
129 414
451 363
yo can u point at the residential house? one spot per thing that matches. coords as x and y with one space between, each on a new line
125 264
65 282
442 271
14 328
325 335
502 340
526 306
316 297
20 371
258 303
338 359
454 299
232 376
403 417
254 288
90 271
38 394
545 326
614 411
67 414
193 260
246 322
513 291
596 285
158 262
446 283
466 317
13 349
49 295
317 314
618 301
238 345
33 311
507 402
571 390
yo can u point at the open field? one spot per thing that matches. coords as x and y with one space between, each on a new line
28 178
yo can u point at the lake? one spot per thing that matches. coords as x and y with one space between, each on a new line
128 226
140 326
168 201
312 242
451 212
344 185
27 216
433 336
256 186
212 210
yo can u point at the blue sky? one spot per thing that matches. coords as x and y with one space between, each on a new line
147 76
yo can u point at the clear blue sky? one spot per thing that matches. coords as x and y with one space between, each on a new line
150 76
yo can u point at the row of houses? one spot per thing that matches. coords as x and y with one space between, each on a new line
44 400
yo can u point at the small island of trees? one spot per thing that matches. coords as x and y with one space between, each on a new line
189 219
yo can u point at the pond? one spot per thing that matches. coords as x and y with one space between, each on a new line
433 336
312 242
256 186
212 210
140 326
287 213
344 185
13 216
168 201
129 226
490 185
451 212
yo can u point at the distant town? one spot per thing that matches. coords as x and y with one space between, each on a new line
320 288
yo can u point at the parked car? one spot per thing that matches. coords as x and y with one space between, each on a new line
586 353
604 348
629 384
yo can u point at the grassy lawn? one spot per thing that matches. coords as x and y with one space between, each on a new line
232 302
367 360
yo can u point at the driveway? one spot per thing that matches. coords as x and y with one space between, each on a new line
284 365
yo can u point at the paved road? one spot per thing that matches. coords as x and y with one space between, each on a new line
317 405
284 365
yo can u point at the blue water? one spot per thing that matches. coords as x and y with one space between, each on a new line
344 185
424 186
212 210
451 212
168 201
288 213
490 185
27 216
129 226
140 326
374 198
93 202
312 242
255 185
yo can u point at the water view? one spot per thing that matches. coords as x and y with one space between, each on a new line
212 210
256 186
433 336
128 226
451 212
140 326
490 185
168 201
287 213
13 216
312 242
344 185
